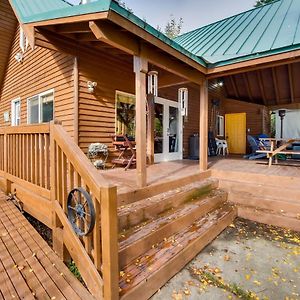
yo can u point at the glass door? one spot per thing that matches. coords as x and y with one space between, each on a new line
168 130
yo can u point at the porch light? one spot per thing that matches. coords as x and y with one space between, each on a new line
91 86
153 83
183 99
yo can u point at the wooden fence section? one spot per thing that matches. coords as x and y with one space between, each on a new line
41 164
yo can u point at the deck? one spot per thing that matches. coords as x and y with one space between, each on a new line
175 170
29 269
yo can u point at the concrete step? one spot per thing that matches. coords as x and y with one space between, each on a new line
142 277
137 240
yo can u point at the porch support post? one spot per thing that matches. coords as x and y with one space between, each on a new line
141 69
203 132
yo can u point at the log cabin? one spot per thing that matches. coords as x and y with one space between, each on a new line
67 72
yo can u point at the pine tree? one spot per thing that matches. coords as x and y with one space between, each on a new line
173 27
262 2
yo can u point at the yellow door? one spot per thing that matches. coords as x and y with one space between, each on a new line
235 127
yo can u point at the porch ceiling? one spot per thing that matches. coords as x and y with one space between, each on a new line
273 86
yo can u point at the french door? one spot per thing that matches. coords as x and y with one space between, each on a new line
168 130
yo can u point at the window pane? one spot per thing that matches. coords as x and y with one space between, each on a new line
125 105
33 110
47 108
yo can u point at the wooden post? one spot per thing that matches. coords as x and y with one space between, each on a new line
109 238
141 69
57 230
150 129
7 182
76 100
203 131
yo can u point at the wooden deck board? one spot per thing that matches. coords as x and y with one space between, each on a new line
28 266
174 170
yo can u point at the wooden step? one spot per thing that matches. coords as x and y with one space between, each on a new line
269 217
262 179
257 188
144 276
160 187
264 202
137 240
146 209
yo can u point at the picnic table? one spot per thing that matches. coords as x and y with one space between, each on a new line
126 149
278 146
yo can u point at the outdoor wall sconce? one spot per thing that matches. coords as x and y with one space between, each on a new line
183 99
91 86
19 57
153 83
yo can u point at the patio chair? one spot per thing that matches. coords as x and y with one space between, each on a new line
98 154
255 145
222 147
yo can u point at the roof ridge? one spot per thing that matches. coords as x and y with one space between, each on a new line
232 16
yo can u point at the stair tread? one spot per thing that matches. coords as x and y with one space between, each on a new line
136 233
155 258
144 203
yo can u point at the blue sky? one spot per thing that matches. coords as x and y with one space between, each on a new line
195 13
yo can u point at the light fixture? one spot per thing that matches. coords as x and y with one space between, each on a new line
19 57
218 84
91 86
183 99
153 83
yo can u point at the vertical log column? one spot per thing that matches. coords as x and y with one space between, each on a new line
141 69
203 132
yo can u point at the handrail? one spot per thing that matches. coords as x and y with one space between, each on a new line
94 254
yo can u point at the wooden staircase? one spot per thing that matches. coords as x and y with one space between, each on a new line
273 200
160 234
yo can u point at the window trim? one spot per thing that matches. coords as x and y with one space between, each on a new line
12 118
219 133
51 91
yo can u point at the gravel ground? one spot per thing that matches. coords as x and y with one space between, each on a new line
247 261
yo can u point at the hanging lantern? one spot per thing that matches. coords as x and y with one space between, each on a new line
153 83
183 99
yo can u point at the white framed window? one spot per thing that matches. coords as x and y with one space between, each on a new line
40 108
16 112
220 126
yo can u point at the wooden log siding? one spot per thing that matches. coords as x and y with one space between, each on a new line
97 110
41 70
8 24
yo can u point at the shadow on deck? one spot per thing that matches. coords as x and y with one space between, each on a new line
29 269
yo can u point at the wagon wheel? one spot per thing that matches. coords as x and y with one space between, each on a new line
81 211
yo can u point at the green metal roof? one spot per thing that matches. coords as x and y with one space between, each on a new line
27 9
270 29
55 9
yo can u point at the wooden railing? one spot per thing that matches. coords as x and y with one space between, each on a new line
25 153
44 158
96 255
